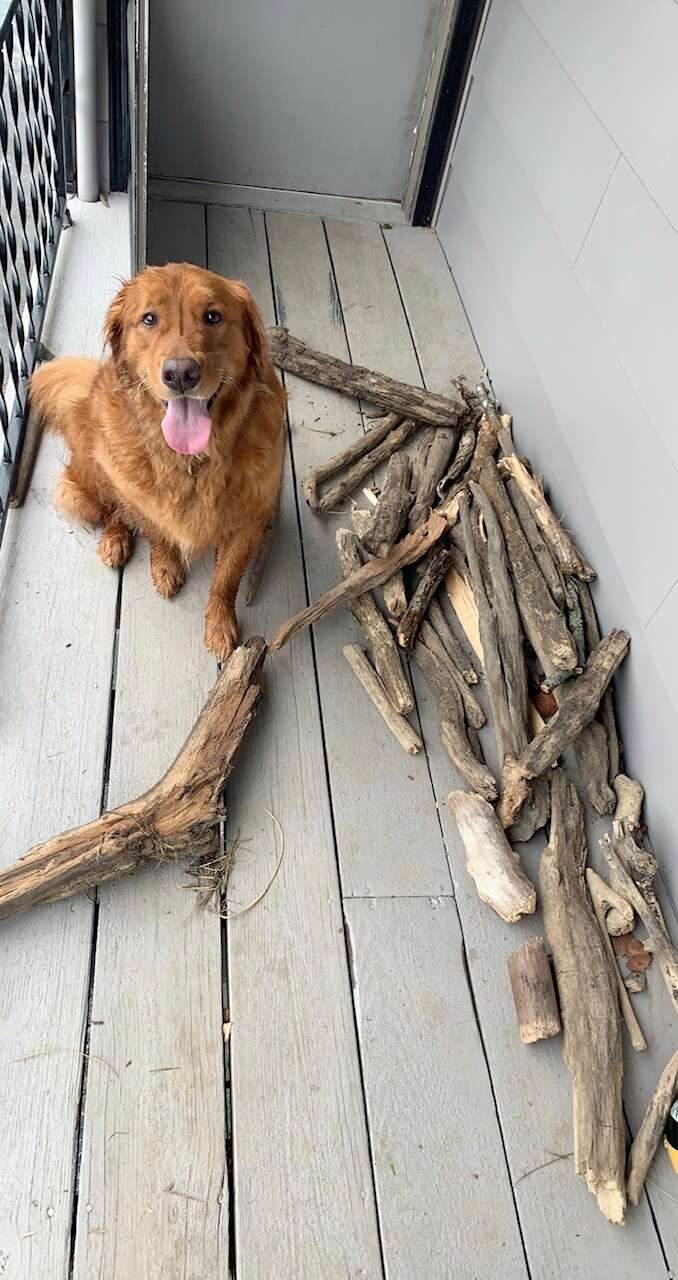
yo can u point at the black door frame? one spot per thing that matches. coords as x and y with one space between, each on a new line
448 105
119 141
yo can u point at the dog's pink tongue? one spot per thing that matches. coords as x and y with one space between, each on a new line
186 425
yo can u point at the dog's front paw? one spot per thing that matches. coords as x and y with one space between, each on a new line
221 629
115 544
168 571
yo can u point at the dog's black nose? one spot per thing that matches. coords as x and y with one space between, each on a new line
181 375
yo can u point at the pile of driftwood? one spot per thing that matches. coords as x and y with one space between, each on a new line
498 590
480 582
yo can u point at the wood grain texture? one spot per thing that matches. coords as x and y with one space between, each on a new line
153 1198
444 1196
576 1239
57 625
371 861
305 1201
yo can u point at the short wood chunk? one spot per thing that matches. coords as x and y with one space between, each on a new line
644 1146
377 632
588 1004
399 726
534 994
490 861
176 817
292 355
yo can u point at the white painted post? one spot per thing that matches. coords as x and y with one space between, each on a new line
85 75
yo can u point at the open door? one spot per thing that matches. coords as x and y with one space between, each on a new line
137 62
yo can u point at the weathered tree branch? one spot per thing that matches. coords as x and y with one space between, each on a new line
400 728
601 895
336 493
588 1004
390 513
378 634
566 553
646 1141
294 356
177 816
453 732
426 588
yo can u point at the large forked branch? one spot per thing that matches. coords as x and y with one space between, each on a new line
588 1004
176 817
577 709
294 356
373 574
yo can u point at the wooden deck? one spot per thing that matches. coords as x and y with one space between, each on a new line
373 1115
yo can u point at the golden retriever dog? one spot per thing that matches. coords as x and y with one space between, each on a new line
178 433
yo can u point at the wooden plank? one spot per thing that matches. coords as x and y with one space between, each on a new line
444 1196
435 312
153 1192
304 1198
176 233
57 626
561 1244
373 859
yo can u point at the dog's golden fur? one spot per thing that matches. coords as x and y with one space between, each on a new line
124 475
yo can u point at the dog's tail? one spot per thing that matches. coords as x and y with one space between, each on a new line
59 385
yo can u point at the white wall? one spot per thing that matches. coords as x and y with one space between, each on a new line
560 223
301 95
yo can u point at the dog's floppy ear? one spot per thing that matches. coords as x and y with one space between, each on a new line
255 329
114 324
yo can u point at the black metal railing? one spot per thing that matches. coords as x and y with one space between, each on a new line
32 201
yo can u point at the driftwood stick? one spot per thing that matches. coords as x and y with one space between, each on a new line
462 458
437 458
427 586
177 816
588 1004
489 640
378 634
346 457
452 645
410 549
566 553
534 994
490 860
255 570
646 1141
453 733
577 709
472 708
607 714
294 356
600 894
540 548
390 514
485 446
373 686
658 940
359 470
544 624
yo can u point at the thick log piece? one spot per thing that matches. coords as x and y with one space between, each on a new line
410 549
453 732
534 994
658 940
427 586
177 816
592 1045
294 356
602 896
400 728
644 1145
390 514
437 458
378 634
544 624
566 553
356 473
462 458
490 861
450 642
577 709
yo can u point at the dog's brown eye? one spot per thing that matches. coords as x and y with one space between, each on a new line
213 317
149 319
